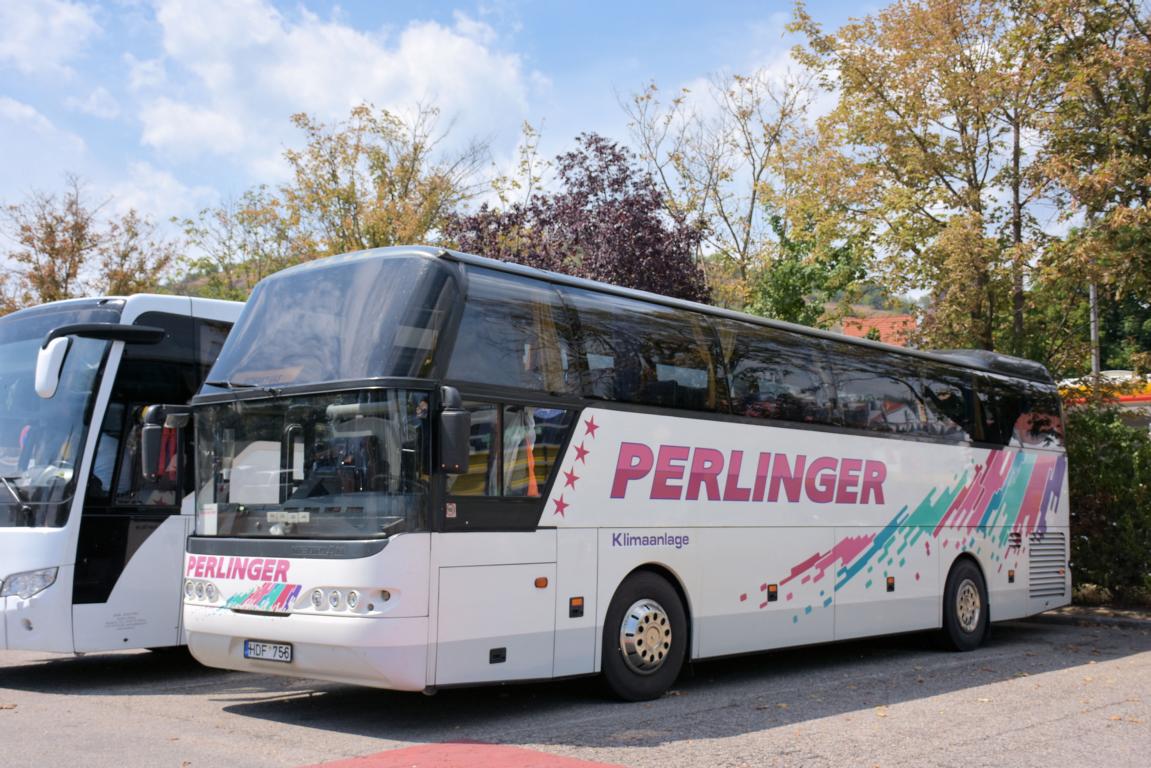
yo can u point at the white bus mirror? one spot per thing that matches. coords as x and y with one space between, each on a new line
49 363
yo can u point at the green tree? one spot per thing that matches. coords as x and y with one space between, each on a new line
717 158
63 247
936 100
376 179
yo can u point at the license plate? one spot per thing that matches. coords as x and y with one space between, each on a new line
258 649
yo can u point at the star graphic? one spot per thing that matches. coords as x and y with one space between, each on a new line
561 505
581 453
570 479
590 426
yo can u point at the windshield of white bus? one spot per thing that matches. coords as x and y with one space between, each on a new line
333 465
349 318
42 441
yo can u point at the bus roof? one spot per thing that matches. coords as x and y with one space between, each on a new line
977 359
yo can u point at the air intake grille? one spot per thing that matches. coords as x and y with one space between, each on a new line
1047 558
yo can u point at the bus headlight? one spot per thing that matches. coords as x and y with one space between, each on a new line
28 583
334 598
353 599
189 589
199 590
317 599
211 592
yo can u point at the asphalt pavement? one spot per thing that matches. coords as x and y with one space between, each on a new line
1062 690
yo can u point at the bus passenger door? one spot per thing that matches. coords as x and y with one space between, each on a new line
126 591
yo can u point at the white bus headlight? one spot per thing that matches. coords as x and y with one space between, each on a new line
317 599
211 592
334 598
353 599
199 590
28 583
189 589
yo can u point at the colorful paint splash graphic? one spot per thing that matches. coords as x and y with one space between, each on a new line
269 596
1010 493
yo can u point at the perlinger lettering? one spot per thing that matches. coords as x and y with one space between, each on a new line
251 568
679 472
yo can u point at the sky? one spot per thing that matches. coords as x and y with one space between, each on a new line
172 106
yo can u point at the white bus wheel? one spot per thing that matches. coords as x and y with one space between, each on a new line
644 638
965 607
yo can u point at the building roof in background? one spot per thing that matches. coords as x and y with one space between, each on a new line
893 329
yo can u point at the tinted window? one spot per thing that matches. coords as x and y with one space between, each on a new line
166 372
1040 421
998 406
777 374
346 318
514 332
949 399
877 391
643 353
514 450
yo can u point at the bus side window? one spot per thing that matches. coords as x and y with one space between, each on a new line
777 375
998 407
876 391
513 450
640 353
1040 421
532 439
514 332
949 400
483 475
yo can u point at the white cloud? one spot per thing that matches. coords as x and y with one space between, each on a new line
99 103
177 126
241 68
27 119
36 152
158 195
42 36
145 73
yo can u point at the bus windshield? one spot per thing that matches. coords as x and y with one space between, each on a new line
41 441
332 465
363 317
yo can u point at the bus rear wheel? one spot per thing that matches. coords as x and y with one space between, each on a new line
644 638
965 609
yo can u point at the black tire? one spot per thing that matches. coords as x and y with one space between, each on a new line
965 607
633 671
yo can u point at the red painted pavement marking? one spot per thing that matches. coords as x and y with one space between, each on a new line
462 755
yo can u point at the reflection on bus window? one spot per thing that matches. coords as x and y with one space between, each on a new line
514 450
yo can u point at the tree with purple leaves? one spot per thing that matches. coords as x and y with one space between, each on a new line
607 221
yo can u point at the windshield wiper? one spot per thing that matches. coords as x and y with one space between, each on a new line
12 490
232 384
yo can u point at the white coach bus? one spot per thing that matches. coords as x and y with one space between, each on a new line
90 544
418 469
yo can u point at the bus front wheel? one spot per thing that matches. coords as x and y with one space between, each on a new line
644 638
965 609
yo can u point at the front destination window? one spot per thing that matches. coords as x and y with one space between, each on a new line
332 465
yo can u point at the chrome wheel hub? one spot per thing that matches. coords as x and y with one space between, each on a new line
645 636
968 605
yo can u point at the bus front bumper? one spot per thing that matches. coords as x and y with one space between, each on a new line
379 652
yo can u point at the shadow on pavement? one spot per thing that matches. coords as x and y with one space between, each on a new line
757 692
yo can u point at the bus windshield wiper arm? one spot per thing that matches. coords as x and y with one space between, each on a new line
12 490
232 384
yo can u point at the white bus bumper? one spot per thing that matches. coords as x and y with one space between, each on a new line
381 652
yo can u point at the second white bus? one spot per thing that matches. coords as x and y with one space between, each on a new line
90 539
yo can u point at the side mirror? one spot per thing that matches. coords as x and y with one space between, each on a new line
157 418
49 363
455 431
